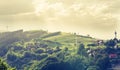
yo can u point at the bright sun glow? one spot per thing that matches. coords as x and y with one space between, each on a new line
43 6
97 17
40 5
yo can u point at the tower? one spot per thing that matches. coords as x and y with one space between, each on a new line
115 34
115 39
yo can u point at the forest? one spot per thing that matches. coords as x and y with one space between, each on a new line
43 50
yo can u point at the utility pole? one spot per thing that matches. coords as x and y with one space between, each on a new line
115 34
115 39
76 42
7 28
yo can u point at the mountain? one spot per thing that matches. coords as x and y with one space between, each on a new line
10 37
32 50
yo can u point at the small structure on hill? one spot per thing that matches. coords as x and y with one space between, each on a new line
100 42
116 41
115 38
113 55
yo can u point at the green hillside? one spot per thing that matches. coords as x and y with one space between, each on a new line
41 50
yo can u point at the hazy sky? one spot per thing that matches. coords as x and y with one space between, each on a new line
99 18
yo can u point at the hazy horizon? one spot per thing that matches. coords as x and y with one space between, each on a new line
98 18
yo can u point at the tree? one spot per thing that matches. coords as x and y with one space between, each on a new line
57 66
2 65
5 66
110 43
11 57
81 50
77 62
102 62
39 51
52 63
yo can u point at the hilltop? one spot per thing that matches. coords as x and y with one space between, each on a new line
63 38
30 50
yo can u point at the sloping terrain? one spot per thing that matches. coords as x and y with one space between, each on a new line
32 50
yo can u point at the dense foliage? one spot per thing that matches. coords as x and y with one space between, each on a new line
40 50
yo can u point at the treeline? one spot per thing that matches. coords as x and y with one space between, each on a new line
30 51
7 38
5 66
81 60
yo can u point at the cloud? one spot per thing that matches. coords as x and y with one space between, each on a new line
81 15
96 16
8 7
